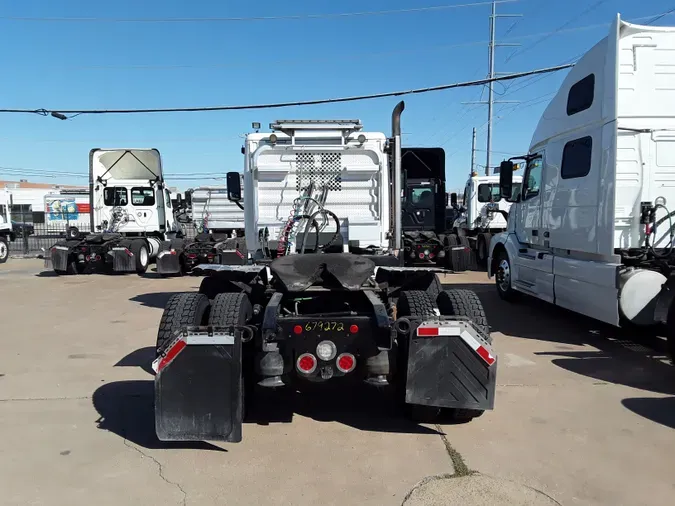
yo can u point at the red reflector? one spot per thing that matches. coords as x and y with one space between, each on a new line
306 363
297 329
171 354
427 331
346 362
354 329
485 355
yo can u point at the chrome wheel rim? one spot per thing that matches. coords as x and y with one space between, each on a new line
3 250
144 256
504 275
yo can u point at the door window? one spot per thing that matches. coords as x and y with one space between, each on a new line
532 181
143 196
115 196
422 196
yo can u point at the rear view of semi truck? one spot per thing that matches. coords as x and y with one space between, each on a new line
219 227
324 298
130 215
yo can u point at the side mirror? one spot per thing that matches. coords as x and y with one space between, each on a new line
234 186
506 180
179 199
188 198
453 199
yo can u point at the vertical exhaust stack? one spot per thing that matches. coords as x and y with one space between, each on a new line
397 172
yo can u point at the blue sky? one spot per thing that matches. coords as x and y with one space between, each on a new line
114 64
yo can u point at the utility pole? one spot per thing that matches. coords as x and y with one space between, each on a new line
491 75
473 151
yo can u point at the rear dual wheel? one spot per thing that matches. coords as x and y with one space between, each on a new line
417 303
195 309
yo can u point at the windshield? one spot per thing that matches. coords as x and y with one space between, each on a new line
489 192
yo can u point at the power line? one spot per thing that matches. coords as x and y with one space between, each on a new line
249 18
61 113
561 27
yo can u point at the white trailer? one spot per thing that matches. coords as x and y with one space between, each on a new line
66 208
592 228
131 214
483 213
212 212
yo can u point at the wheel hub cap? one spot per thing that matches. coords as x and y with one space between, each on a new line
504 275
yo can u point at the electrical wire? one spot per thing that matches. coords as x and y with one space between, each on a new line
250 18
413 91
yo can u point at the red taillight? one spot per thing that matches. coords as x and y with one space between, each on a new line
353 329
306 363
297 329
432 255
191 255
346 362
173 252
421 255
98 258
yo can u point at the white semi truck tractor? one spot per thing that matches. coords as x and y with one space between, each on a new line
483 213
130 212
592 228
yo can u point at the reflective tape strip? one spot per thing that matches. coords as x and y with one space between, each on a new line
161 362
214 339
432 330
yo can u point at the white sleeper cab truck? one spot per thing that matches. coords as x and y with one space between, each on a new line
6 233
219 227
325 298
592 228
131 215
483 213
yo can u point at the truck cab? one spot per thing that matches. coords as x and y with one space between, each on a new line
6 232
591 229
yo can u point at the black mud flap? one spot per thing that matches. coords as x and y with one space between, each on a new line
450 365
198 387
58 258
123 259
168 262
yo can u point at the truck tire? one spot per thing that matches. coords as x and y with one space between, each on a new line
180 310
482 246
457 259
415 303
468 254
230 308
140 250
234 308
460 302
4 250
503 277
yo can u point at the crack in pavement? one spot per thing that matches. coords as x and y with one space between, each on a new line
460 467
160 469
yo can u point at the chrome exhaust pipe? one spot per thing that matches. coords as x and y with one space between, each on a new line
397 173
